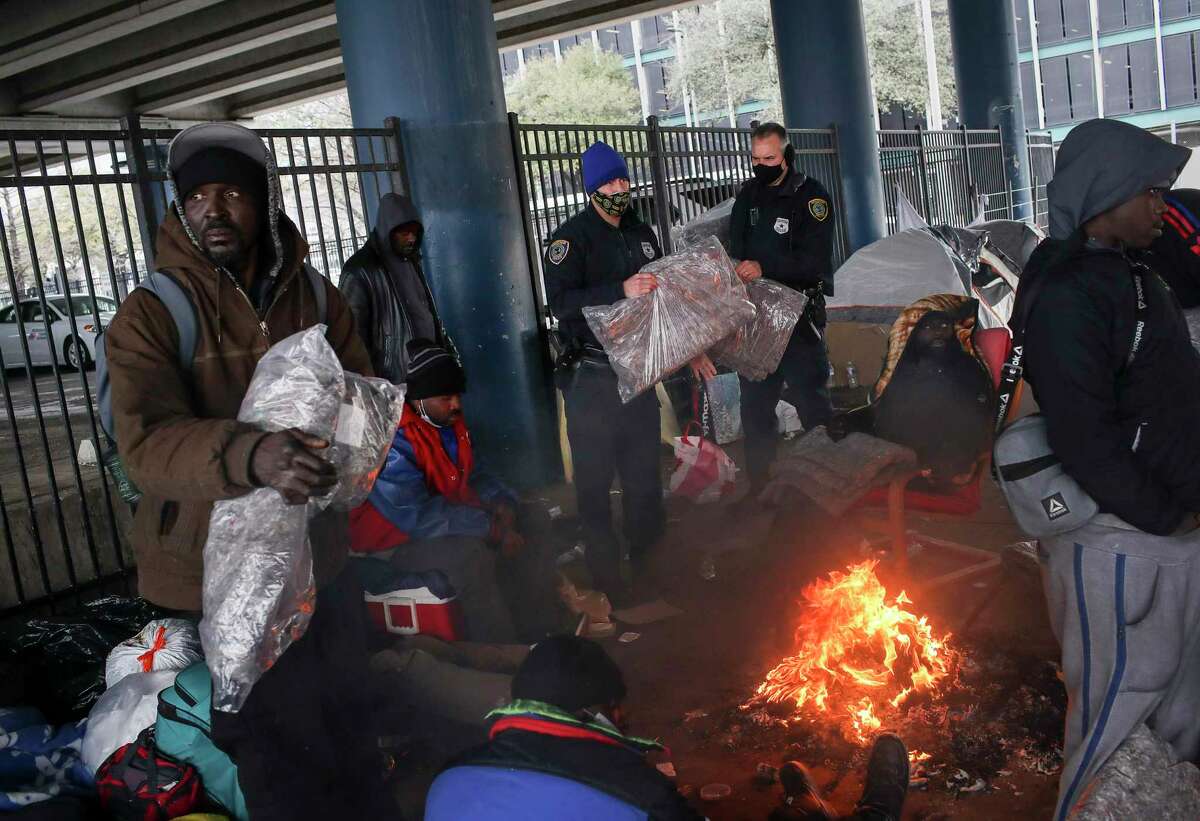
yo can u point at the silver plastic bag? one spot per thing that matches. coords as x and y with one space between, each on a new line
756 349
259 593
699 300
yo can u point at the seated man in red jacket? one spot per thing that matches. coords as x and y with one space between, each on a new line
433 506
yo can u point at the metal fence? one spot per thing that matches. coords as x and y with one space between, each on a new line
957 175
675 174
78 215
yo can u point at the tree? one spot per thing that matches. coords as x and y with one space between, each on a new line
897 66
728 54
589 87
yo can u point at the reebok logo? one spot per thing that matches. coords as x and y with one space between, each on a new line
1055 506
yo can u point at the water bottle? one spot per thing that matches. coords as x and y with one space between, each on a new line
851 375
832 375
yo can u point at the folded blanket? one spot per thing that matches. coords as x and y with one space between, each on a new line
39 761
836 475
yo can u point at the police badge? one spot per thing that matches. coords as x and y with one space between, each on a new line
781 225
819 208
647 250
558 251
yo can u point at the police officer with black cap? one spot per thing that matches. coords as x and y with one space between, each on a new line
782 229
594 259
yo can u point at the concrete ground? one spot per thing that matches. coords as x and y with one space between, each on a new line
688 675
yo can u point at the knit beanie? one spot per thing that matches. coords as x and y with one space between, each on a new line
601 164
571 673
222 165
432 371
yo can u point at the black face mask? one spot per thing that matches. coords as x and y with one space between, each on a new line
767 174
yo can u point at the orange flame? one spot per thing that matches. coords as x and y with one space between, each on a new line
857 654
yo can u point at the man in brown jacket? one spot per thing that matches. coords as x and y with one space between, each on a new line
300 741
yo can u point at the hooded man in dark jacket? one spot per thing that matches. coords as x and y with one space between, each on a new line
386 289
1109 359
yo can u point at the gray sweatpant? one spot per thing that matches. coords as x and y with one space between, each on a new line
1125 607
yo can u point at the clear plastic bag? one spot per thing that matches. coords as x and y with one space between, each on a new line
699 300
259 593
715 222
756 348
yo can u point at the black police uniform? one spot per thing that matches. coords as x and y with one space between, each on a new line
788 230
587 263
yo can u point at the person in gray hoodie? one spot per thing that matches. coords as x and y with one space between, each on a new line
385 286
1108 355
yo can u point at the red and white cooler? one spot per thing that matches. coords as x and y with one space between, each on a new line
417 611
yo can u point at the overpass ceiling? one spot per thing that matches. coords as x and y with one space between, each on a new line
213 59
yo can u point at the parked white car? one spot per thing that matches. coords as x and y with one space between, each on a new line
66 348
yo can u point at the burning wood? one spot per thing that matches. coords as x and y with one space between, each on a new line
858 655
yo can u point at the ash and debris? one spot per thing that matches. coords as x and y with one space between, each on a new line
1001 711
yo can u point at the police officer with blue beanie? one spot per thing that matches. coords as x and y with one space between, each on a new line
594 259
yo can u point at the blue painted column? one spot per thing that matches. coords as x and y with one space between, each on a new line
825 79
984 36
433 65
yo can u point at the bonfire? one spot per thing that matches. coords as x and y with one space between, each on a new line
859 657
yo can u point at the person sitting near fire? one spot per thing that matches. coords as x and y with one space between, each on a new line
433 506
562 743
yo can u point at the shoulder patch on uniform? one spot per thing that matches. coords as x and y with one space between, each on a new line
647 250
558 250
819 208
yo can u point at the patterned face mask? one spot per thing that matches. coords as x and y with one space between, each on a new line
613 204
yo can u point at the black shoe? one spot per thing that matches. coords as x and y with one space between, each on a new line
800 794
887 780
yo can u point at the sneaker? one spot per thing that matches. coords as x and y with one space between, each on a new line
800 794
887 780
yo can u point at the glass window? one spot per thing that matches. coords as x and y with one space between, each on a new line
1029 95
83 305
1049 22
1118 15
1083 86
1021 17
1056 96
1179 63
618 39
31 312
1143 75
1077 20
1179 9
1118 96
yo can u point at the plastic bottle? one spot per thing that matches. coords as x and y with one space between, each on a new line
851 375
708 569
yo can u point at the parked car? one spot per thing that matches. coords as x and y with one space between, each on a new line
66 349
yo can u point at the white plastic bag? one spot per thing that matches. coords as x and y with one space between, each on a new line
703 472
259 593
699 300
121 712
163 644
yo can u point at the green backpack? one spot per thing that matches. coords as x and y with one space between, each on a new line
183 731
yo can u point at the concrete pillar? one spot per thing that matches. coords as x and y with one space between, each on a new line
434 67
989 84
825 80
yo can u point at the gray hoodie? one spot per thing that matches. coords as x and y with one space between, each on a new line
1103 163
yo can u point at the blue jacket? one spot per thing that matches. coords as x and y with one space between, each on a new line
542 763
401 494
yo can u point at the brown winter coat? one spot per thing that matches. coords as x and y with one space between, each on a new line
178 431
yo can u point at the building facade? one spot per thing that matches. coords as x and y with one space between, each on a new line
1134 60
